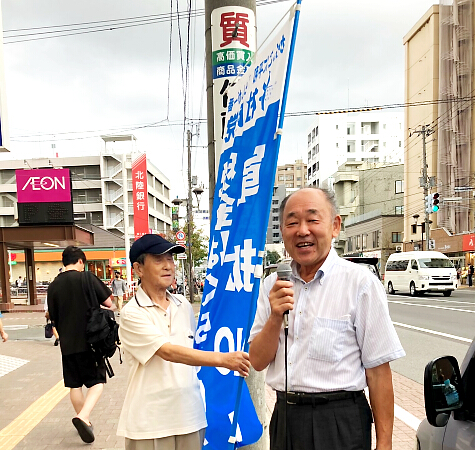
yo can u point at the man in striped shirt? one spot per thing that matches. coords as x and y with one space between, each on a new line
340 338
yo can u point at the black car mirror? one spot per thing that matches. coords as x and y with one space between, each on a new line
443 391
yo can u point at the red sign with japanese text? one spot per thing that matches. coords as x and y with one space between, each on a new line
140 196
468 243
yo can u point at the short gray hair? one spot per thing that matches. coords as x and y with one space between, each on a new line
329 195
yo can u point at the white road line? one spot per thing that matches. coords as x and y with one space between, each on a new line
403 415
406 417
437 333
431 306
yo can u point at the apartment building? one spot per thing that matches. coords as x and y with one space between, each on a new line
438 89
273 226
292 175
370 198
373 136
98 191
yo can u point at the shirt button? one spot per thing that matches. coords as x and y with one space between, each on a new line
306 289
165 315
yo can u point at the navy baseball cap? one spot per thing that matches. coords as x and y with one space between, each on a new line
153 244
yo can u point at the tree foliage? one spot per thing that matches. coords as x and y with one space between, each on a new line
272 257
199 242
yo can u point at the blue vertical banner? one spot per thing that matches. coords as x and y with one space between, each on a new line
239 223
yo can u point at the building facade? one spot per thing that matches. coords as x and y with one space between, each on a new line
373 136
98 191
438 89
370 198
273 226
292 175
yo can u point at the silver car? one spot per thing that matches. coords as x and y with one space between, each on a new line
449 395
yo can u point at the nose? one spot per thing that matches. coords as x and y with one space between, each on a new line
303 229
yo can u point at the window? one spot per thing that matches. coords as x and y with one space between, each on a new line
299 178
309 138
399 186
399 210
400 144
317 148
350 244
275 210
316 131
336 127
396 237
414 228
298 168
309 155
275 227
357 242
281 177
375 239
275 235
365 241
337 145
275 202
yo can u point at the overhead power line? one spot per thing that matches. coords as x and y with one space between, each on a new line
189 121
17 35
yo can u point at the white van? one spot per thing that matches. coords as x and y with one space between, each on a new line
419 272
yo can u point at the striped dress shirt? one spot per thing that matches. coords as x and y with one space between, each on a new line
339 327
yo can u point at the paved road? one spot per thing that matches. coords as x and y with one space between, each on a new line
430 326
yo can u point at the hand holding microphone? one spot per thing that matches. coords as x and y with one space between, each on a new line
283 273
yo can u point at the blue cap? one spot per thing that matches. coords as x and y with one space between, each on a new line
153 244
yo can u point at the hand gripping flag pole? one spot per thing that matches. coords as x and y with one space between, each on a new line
258 272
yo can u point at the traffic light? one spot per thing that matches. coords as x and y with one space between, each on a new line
435 202
428 203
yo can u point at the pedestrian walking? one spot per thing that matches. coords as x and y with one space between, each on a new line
68 309
470 274
119 288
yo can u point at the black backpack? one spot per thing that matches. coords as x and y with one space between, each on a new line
102 331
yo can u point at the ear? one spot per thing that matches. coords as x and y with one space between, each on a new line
336 226
137 269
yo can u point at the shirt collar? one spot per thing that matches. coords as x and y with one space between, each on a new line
143 299
324 268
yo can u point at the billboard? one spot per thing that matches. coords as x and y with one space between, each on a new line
140 196
44 197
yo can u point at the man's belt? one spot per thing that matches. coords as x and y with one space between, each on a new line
306 398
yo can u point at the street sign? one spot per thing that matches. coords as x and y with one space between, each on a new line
180 236
181 256
181 242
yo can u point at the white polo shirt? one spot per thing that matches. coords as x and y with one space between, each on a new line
339 326
162 398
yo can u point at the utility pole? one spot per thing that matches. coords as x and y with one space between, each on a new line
425 181
189 205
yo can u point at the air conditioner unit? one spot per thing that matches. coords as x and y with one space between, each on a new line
399 248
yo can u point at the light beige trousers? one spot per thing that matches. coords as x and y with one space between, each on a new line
192 441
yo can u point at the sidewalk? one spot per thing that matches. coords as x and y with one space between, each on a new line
36 411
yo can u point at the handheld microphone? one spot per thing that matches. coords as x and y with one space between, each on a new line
283 273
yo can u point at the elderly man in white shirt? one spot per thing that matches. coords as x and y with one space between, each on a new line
340 338
163 408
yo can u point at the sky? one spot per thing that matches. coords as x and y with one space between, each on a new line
63 93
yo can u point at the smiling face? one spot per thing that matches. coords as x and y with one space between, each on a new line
157 271
308 226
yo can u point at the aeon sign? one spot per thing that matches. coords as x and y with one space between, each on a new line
43 185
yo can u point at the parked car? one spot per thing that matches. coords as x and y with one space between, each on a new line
370 262
449 395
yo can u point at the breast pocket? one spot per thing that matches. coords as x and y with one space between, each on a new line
327 339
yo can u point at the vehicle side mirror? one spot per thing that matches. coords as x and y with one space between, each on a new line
443 391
